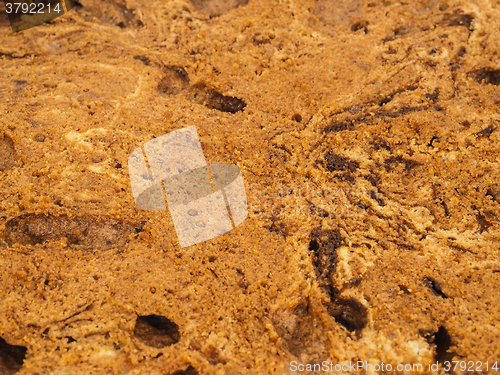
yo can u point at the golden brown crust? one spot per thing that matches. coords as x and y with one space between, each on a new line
367 133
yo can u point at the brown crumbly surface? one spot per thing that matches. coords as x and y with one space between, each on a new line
367 133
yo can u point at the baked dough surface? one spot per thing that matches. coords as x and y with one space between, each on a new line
367 133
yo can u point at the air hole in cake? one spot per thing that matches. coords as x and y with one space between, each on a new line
277 226
142 58
297 118
374 194
214 355
70 339
313 210
323 244
461 51
8 155
400 31
263 38
360 25
373 179
11 357
202 94
391 163
85 232
346 311
338 127
174 81
486 76
404 289
435 287
386 100
484 224
339 163
77 3
242 281
486 132
301 330
458 19
349 313
434 138
189 371
433 97
494 193
156 331
442 342
217 8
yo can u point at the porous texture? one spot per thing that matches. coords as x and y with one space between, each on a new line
367 133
